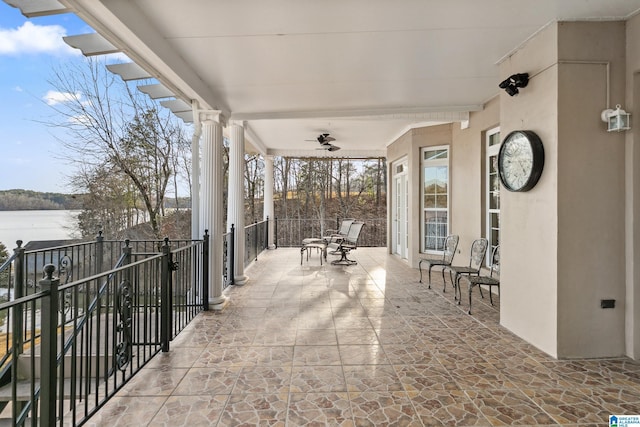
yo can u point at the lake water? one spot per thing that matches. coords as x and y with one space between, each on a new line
36 225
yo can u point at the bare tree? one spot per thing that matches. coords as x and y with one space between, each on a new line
112 124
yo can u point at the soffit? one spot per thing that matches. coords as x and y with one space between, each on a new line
363 70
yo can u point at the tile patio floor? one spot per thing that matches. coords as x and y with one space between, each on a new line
362 345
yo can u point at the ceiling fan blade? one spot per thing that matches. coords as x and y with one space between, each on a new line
329 139
333 148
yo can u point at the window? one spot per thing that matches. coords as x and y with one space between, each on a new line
435 198
492 190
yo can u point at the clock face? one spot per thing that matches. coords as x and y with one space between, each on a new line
520 160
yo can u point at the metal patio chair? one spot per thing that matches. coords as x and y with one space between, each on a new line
493 279
346 245
476 260
450 246
337 235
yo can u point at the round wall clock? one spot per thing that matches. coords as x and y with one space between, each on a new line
520 160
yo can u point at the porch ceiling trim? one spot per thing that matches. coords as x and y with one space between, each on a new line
341 154
35 8
423 114
91 44
147 48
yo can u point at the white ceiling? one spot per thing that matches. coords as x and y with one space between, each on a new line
363 70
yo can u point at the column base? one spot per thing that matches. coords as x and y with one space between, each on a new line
240 280
218 304
272 246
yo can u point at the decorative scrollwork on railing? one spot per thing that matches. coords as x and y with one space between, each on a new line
123 328
65 268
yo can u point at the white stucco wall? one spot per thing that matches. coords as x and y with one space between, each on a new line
632 191
409 145
528 221
468 176
590 192
564 243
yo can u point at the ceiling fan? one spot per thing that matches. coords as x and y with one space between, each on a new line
325 141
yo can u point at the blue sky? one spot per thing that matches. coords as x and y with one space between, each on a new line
29 48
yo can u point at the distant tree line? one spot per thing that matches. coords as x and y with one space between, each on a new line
19 200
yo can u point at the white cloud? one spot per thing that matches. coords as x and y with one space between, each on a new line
54 97
30 38
18 89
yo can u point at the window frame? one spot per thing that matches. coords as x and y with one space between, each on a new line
491 151
424 163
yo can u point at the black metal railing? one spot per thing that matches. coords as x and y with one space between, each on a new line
71 344
289 232
228 259
71 340
257 240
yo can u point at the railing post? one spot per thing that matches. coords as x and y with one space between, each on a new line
232 256
205 271
49 347
255 242
275 233
165 295
19 287
99 252
266 233
126 251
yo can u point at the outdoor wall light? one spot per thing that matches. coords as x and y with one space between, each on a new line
617 120
515 81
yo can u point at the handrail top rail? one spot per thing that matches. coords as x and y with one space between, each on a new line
53 248
24 299
8 261
108 272
255 224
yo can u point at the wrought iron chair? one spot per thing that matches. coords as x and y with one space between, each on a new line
493 279
346 245
476 260
450 246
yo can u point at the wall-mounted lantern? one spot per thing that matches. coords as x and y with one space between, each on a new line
617 120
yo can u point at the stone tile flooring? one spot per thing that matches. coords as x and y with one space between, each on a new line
364 345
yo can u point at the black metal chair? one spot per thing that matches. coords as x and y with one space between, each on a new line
476 260
450 246
346 245
493 279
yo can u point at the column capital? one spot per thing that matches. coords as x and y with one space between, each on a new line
210 116
268 157
241 123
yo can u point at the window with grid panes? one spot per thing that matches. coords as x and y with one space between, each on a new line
435 197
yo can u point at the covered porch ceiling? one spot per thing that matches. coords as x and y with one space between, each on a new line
364 71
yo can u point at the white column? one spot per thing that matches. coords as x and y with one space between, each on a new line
195 183
235 206
269 210
211 201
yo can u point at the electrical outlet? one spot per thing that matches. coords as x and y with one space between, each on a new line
607 303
